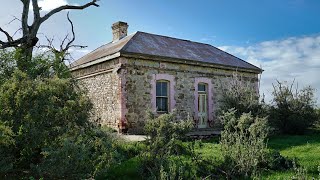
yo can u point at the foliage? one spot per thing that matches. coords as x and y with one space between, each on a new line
163 129
6 142
293 110
42 65
303 149
7 64
87 154
166 156
6 135
44 127
300 173
39 111
275 161
317 122
243 143
241 94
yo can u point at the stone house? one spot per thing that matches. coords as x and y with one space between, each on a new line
142 71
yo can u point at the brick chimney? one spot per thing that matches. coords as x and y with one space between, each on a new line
119 30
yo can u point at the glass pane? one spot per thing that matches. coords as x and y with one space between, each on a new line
162 104
202 87
162 88
158 90
199 104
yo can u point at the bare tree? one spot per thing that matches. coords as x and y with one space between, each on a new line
29 37
61 52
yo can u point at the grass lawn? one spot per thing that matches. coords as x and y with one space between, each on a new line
305 149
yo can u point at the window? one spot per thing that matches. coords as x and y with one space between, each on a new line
201 87
162 96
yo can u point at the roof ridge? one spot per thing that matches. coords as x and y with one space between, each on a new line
129 42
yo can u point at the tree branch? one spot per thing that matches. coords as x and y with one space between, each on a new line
25 15
73 35
14 43
58 9
9 38
14 19
29 37
63 51
36 10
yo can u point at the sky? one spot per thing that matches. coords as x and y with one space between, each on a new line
281 37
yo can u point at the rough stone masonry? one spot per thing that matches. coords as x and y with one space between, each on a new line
121 78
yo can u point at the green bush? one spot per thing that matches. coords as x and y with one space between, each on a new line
50 135
293 111
39 111
275 161
241 94
243 144
88 154
44 126
166 156
6 143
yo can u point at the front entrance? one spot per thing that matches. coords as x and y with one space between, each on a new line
202 105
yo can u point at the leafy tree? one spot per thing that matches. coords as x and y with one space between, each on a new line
293 111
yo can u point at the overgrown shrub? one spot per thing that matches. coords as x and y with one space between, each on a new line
275 161
167 156
165 142
39 111
243 144
317 123
6 143
88 154
44 126
241 94
293 111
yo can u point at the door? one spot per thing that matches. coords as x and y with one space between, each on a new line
202 108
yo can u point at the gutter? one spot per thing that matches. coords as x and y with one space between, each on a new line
97 61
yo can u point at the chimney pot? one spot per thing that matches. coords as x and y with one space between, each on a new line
119 30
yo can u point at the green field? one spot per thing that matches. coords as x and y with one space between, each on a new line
304 149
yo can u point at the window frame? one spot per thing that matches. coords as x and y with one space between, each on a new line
205 88
167 97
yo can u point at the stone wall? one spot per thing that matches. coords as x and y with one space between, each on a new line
102 83
122 89
140 74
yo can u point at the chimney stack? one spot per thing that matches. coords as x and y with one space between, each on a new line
119 30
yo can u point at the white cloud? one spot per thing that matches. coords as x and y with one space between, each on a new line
284 60
47 5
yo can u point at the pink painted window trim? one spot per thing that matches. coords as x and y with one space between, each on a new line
210 96
166 77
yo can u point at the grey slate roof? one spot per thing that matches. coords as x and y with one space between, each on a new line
156 45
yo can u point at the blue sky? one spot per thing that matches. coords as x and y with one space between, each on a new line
281 36
216 22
